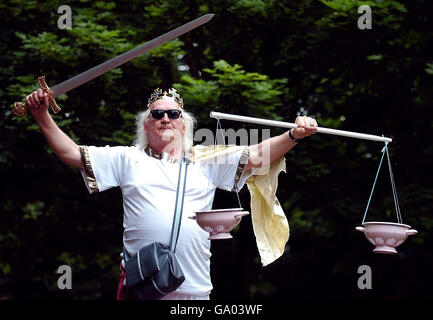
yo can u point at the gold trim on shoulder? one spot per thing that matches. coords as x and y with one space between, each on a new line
243 160
87 166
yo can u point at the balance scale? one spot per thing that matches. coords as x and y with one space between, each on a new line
385 236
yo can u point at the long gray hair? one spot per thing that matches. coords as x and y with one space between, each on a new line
142 141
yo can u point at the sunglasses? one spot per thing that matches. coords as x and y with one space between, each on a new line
172 114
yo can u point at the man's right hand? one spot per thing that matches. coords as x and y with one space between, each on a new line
37 103
63 146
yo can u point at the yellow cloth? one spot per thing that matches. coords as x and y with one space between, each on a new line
270 224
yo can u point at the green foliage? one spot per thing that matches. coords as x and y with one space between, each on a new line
232 88
33 210
429 68
388 14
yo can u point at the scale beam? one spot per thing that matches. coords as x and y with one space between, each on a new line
281 124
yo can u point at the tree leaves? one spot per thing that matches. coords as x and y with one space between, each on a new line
270 59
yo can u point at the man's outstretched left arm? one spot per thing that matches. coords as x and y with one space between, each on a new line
272 149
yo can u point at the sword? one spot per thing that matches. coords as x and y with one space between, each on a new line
20 109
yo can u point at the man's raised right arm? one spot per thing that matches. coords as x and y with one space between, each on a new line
63 146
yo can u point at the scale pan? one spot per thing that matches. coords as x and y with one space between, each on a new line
219 222
386 236
221 210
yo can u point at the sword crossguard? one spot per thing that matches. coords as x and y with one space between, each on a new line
20 109
47 90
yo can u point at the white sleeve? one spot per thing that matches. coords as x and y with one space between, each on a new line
102 167
227 172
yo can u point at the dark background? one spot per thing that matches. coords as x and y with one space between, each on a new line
269 59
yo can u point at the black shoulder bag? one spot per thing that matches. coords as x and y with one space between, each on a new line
154 270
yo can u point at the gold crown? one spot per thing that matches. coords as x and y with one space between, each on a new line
171 95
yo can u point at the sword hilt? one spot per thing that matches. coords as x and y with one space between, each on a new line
20 108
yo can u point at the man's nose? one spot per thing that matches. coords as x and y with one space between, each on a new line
165 118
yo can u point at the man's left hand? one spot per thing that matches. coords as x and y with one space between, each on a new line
306 127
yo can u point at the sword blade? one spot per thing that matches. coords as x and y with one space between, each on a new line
106 66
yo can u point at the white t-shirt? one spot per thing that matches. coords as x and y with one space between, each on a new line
149 191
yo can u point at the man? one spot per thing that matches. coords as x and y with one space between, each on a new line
147 174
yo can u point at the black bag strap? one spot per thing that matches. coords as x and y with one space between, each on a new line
178 209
